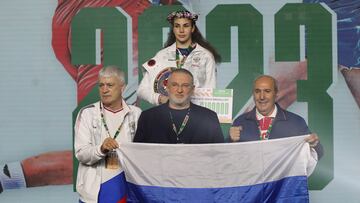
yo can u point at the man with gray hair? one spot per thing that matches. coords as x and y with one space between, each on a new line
99 129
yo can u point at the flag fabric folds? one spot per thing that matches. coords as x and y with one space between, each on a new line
260 171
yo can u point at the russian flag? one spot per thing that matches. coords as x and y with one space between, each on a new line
260 171
113 190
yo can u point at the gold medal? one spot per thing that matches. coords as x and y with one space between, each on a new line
112 160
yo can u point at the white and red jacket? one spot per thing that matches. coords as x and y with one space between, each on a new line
89 136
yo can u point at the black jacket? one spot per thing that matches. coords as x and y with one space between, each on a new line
155 126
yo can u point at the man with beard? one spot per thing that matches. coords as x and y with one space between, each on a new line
179 121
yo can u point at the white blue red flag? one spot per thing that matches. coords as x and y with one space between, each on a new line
113 190
261 171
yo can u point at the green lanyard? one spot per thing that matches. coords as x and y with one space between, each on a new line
183 124
105 125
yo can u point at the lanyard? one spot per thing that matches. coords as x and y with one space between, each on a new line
183 124
265 136
105 125
180 63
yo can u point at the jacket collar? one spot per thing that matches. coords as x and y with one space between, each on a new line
197 48
126 109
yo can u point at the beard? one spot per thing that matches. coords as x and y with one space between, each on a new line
180 102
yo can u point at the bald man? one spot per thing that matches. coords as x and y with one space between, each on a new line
267 120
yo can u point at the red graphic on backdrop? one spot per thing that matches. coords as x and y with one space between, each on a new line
86 75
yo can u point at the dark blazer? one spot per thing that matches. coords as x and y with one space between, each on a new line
155 126
285 124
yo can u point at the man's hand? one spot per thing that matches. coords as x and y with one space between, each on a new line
108 145
313 140
235 133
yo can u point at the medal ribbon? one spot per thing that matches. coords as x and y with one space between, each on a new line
105 125
261 126
183 124
180 63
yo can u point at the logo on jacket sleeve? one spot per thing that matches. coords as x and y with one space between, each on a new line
151 62
161 81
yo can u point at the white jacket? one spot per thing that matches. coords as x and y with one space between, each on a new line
200 63
89 135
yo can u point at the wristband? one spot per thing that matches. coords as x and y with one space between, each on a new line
12 176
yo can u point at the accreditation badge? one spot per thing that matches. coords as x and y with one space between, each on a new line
112 160
161 81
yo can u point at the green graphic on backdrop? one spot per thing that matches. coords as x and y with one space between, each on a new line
250 45
249 24
318 29
113 25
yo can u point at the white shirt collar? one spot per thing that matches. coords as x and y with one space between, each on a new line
260 116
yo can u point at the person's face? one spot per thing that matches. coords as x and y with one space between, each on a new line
264 95
183 29
110 91
180 90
